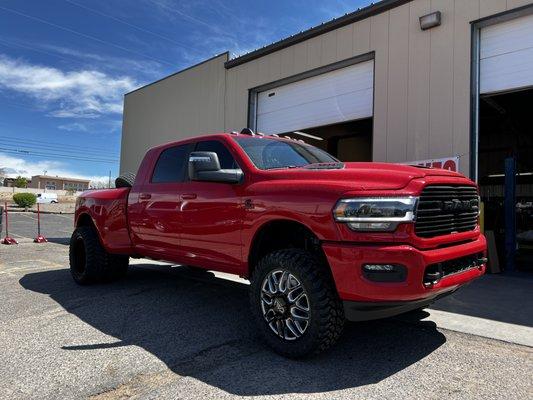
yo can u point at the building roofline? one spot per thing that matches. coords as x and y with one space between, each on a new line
226 53
358 15
62 178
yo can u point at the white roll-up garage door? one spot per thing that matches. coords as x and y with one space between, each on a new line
506 55
341 95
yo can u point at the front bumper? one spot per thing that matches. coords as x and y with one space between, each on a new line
346 261
365 311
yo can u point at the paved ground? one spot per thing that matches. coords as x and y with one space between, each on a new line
166 332
55 227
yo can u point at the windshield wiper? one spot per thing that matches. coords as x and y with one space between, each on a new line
325 165
285 167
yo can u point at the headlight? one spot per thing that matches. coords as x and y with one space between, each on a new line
375 213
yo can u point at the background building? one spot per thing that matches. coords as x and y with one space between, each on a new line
10 182
58 183
376 84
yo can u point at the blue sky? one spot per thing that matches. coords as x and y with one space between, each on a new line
65 65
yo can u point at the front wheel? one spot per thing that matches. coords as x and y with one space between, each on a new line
295 304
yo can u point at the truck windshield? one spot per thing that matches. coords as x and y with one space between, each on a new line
269 153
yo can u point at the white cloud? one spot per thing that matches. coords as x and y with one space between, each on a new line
74 127
15 166
149 69
83 93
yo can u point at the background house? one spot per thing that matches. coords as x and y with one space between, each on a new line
58 183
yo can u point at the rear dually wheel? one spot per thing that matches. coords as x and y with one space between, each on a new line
89 262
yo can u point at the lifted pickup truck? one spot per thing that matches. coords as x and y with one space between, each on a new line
320 240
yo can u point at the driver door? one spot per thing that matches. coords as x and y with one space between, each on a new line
212 215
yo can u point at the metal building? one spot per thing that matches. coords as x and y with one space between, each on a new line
397 81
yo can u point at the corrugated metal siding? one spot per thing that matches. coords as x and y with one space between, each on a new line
422 78
421 93
185 104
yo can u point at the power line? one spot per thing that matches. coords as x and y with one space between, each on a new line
192 18
51 153
84 35
139 28
16 139
42 155
7 43
41 147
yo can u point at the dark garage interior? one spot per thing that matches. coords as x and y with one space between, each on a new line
506 132
347 141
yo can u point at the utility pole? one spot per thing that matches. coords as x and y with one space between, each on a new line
109 182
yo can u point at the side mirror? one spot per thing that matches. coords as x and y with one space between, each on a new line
205 166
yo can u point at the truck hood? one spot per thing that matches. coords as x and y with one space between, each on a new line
365 175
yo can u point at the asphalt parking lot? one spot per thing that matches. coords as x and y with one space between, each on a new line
57 228
166 332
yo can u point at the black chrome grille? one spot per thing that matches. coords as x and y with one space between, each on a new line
446 209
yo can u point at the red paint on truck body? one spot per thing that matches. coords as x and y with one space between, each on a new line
208 225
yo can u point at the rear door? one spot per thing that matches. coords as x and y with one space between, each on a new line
156 222
212 215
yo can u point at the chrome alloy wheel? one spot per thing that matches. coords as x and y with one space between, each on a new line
285 304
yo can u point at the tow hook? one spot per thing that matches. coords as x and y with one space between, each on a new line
481 261
433 277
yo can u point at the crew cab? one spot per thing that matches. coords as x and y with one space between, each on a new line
320 240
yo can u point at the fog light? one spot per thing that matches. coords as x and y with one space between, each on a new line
373 226
379 267
385 272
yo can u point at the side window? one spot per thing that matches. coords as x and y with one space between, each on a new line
224 156
171 165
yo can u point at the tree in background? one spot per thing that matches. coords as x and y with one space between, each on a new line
21 182
25 200
102 184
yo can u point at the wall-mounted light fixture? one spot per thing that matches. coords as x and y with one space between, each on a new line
430 20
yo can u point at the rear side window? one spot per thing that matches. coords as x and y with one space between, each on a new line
224 156
170 166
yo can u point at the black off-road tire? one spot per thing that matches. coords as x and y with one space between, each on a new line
116 266
125 180
89 262
327 314
87 256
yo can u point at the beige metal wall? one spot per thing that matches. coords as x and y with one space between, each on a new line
422 84
185 104
422 79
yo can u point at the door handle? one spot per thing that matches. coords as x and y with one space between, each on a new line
145 196
188 196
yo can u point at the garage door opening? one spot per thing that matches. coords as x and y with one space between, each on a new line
506 132
331 108
347 141
503 77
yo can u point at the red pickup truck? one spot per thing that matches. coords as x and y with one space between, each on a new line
320 240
